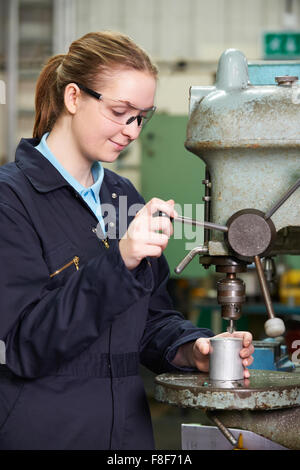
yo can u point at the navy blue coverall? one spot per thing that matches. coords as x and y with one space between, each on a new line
76 322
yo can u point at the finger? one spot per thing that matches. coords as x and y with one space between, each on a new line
156 204
143 232
246 352
203 345
143 240
225 335
155 238
246 375
248 361
245 335
152 251
163 224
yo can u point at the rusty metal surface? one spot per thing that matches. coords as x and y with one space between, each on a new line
266 390
280 426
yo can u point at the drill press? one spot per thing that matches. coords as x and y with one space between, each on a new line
248 138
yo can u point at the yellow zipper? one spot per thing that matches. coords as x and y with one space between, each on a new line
105 242
75 261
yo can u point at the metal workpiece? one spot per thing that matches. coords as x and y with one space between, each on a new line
265 390
248 138
225 362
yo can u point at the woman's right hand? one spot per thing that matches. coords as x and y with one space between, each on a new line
143 237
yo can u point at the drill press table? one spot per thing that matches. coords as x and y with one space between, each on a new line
268 403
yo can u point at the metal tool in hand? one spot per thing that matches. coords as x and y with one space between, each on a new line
188 220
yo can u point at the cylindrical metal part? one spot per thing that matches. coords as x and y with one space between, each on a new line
225 360
231 296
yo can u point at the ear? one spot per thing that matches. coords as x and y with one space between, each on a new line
71 97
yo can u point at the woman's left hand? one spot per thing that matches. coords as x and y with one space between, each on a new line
201 350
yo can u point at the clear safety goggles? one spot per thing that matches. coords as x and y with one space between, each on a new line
118 111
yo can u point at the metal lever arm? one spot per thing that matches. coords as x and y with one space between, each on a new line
208 225
224 430
282 200
188 220
188 258
264 287
274 326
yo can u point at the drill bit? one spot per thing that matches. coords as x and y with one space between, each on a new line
231 327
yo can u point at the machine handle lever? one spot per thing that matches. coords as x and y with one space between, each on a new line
188 220
224 430
282 200
264 287
274 326
208 225
188 258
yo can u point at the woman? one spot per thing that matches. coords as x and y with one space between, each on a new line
80 309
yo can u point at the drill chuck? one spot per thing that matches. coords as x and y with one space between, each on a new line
231 296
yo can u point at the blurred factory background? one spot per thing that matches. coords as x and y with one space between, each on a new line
185 38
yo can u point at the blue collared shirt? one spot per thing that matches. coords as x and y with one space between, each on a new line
91 195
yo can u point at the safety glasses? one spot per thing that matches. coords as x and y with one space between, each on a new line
118 111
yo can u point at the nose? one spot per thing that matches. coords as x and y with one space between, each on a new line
132 130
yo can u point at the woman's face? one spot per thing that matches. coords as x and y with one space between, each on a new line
96 136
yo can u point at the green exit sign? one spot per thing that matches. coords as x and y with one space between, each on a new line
281 45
